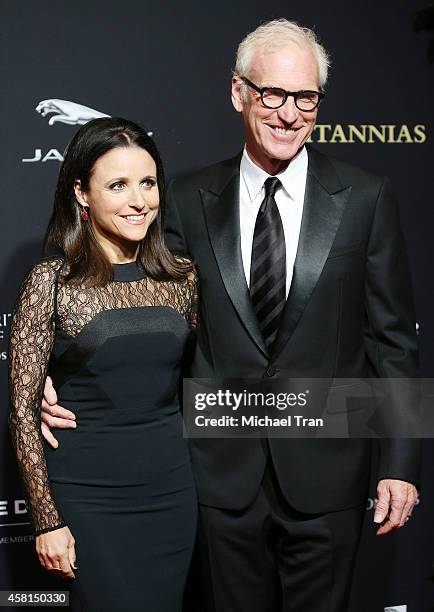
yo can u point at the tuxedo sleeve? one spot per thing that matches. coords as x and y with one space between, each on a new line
390 334
173 231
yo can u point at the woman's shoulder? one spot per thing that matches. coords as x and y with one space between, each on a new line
38 288
46 270
191 274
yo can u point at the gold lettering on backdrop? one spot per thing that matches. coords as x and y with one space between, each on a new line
391 137
377 134
321 129
358 131
419 130
368 134
338 134
404 135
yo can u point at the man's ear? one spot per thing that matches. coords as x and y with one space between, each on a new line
80 194
237 94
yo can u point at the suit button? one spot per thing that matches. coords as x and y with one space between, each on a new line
270 371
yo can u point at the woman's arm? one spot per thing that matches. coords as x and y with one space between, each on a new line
30 344
31 341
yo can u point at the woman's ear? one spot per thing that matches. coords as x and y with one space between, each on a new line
80 194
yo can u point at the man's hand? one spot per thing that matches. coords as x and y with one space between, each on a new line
53 415
396 500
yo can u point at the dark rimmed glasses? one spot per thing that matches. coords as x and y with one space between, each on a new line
275 97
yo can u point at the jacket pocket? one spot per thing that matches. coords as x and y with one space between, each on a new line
350 249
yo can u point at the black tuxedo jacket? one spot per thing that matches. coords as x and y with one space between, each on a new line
349 313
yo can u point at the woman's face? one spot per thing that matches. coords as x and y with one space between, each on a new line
122 199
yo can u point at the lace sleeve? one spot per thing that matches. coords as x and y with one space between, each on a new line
31 340
193 311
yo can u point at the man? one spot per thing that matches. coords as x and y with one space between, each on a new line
302 274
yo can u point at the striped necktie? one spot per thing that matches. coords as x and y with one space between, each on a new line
268 267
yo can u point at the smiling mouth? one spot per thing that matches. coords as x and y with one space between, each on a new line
281 131
134 219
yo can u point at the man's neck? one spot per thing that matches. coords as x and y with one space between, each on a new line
273 167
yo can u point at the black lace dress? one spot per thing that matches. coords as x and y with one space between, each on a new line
122 480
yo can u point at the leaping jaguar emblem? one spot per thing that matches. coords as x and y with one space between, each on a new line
67 112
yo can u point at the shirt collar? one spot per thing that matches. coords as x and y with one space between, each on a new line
292 178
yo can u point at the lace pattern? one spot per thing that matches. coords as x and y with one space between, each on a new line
44 302
77 306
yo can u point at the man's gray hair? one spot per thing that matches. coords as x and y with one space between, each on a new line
273 35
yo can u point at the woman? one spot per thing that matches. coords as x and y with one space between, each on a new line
109 319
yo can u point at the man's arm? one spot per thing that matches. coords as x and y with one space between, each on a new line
392 348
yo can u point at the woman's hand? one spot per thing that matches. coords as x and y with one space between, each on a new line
56 552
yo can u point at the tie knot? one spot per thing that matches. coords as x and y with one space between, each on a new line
271 185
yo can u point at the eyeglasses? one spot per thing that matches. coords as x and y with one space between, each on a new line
275 97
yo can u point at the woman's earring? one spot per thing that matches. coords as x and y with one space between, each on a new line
84 215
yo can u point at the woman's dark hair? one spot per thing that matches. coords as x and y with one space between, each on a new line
68 235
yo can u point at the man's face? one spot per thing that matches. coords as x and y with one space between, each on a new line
275 136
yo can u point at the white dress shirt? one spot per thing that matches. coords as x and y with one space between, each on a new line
289 199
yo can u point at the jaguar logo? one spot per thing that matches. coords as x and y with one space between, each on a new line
396 609
67 112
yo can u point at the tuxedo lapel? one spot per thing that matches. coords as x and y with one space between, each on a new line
221 206
324 204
